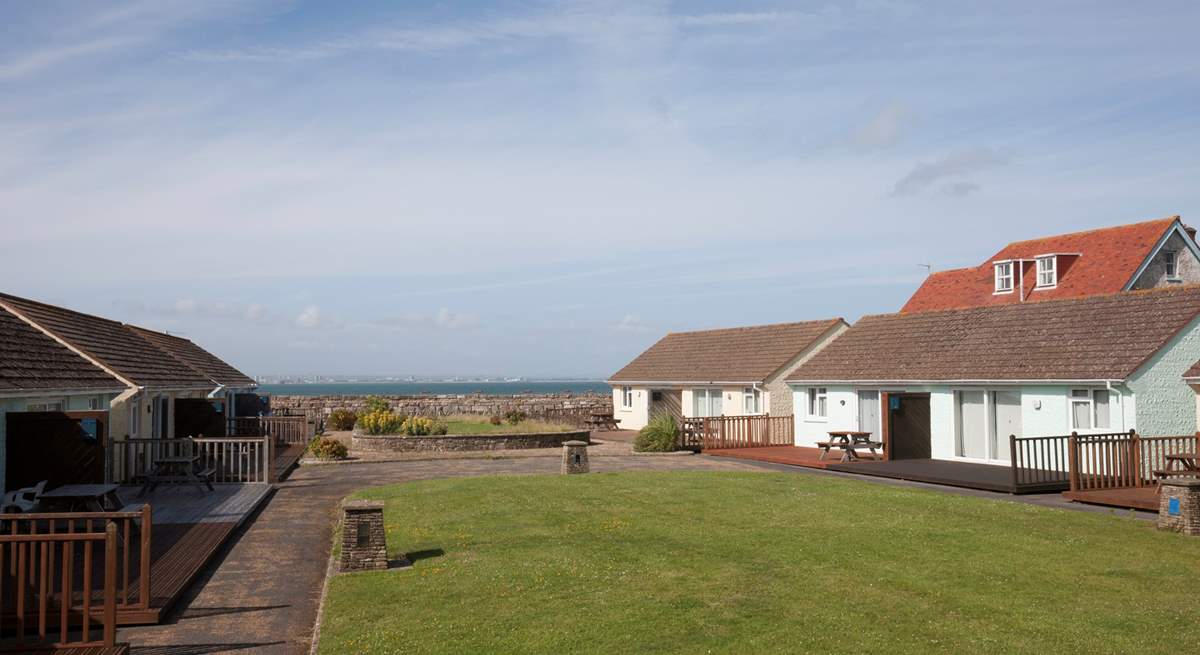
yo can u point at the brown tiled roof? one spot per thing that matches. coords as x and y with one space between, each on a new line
197 358
31 360
1106 262
1193 372
747 354
1097 338
113 344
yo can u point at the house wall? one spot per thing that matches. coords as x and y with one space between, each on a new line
1045 411
119 424
732 401
1155 273
781 394
71 402
632 418
1165 403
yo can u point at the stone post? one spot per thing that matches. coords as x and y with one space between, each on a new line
1179 505
575 457
364 542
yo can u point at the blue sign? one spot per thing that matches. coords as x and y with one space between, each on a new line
1173 506
91 429
894 402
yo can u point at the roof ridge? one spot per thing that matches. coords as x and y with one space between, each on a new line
1176 289
1176 217
743 328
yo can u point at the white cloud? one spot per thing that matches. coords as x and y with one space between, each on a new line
309 318
963 162
442 318
631 323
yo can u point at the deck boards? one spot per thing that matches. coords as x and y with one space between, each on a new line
1137 498
791 455
286 457
120 649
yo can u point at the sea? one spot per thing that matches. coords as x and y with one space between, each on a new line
436 388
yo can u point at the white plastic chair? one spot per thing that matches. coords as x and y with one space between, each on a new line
23 500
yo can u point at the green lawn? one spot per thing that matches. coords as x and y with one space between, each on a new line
475 425
758 563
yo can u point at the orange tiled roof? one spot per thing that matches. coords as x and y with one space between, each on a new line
1107 259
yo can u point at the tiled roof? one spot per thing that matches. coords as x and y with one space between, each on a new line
113 344
747 354
1096 338
1108 259
1193 372
197 358
31 360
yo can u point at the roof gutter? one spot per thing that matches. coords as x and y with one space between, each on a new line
1104 381
681 383
60 391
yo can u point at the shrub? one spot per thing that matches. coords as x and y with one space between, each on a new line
659 436
341 419
419 426
327 448
515 416
377 404
381 422
496 419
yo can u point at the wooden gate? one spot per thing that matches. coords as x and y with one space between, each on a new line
909 426
60 447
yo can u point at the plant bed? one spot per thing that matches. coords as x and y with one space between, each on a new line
464 442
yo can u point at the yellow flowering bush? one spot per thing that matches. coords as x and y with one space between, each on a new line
385 422
419 426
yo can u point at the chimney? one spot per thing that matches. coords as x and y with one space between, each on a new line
1190 230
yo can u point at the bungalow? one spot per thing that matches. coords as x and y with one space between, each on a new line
1144 255
728 372
154 375
954 384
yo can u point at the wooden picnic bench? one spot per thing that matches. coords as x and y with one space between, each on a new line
602 421
1179 465
850 442
178 470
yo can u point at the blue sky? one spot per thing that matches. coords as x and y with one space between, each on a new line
544 188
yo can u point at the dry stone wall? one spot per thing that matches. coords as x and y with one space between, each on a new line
573 409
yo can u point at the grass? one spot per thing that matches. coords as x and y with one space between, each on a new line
481 425
758 563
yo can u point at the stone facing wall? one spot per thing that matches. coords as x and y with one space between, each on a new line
1155 274
398 444
573 409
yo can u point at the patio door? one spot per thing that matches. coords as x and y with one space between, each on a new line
972 424
1007 419
909 426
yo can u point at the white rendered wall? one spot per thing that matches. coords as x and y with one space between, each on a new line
632 418
1165 403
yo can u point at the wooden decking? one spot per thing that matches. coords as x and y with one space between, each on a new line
989 477
285 458
791 455
1132 497
120 649
190 527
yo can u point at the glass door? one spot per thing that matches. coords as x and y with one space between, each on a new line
1007 417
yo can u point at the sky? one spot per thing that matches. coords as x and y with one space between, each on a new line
546 188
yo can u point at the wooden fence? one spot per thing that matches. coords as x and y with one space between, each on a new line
747 431
1039 462
286 430
1122 460
691 434
47 586
234 460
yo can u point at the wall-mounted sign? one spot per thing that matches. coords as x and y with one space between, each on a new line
1173 506
91 429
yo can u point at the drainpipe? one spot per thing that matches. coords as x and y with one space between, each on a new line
216 392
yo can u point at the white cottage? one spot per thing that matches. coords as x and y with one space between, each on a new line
954 384
728 372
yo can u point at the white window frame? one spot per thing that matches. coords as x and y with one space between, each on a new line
818 404
1047 265
47 405
708 393
751 400
1090 401
1171 263
1000 278
627 397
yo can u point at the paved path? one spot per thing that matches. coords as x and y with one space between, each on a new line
262 598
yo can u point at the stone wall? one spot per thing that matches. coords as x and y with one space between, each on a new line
451 443
573 409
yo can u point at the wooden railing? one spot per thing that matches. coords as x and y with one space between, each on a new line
748 431
691 434
234 460
286 430
48 589
1123 460
1039 460
132 550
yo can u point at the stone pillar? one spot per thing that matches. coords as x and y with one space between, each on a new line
364 542
1179 505
575 458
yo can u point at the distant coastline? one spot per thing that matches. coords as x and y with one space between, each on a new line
436 388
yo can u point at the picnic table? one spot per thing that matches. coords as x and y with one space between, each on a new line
180 469
88 497
1180 464
850 442
602 421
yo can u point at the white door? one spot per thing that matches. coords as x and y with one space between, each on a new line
972 425
868 414
1008 422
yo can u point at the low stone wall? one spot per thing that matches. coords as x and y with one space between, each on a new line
572 409
452 443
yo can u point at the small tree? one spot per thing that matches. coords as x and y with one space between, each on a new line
660 435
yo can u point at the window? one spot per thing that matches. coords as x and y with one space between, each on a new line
1047 271
1089 409
1171 264
817 402
135 415
44 407
1004 277
706 402
626 397
752 400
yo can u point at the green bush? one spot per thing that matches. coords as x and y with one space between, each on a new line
327 448
341 419
377 404
419 426
660 435
381 422
515 416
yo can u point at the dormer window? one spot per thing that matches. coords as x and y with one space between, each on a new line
1171 264
1004 277
1047 271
